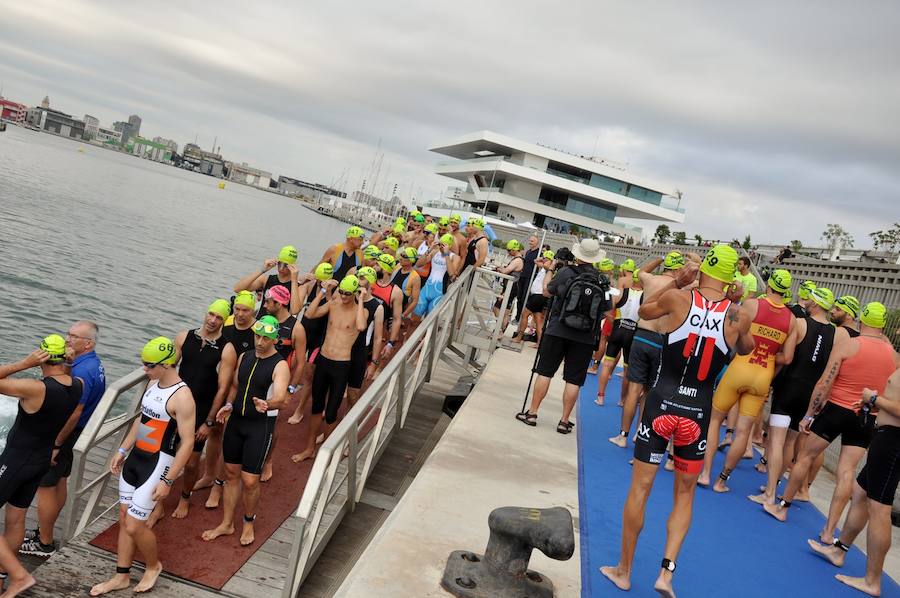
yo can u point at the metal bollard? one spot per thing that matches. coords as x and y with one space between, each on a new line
502 572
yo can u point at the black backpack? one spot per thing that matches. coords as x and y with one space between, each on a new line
585 302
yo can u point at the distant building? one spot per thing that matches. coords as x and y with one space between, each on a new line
203 161
173 147
47 119
91 125
289 186
13 111
124 130
108 136
150 150
134 123
241 173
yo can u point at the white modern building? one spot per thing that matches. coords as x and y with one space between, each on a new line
242 173
104 135
91 124
526 182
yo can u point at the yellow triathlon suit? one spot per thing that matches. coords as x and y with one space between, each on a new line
748 377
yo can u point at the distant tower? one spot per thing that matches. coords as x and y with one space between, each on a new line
46 102
135 125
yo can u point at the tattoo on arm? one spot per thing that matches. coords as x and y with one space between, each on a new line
734 315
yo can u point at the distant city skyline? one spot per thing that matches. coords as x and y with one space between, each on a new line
773 122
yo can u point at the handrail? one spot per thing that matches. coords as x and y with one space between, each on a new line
346 458
99 428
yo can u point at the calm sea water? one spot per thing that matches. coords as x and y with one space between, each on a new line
138 247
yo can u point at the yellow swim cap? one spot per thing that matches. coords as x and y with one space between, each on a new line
549 255
220 307
874 315
627 265
324 271
635 276
399 228
368 273
607 265
455 218
447 239
387 262
288 254
848 304
780 281
513 245
55 346
431 228
719 263
350 284
444 221
160 350
787 297
806 289
823 297
476 222
245 298
354 232
392 243
673 261
409 253
371 252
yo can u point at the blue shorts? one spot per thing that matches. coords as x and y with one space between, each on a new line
429 296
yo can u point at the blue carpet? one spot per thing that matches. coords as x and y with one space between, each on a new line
733 547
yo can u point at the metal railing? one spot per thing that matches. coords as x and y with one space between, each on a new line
347 457
101 427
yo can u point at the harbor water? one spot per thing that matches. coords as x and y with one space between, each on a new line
140 248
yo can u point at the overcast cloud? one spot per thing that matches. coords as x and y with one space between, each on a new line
773 118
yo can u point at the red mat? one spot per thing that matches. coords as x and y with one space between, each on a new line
181 549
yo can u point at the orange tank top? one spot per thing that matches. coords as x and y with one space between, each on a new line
871 367
770 329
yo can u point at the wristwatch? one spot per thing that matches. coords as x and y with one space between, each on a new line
210 423
292 388
166 480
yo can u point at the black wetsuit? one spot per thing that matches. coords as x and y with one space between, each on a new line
347 263
793 387
470 251
199 362
798 310
243 340
285 344
30 442
271 281
314 327
361 353
853 332
248 435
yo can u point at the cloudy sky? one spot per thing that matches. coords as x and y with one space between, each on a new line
773 118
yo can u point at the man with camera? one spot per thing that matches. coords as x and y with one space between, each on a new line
580 296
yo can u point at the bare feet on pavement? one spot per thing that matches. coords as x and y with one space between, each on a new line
829 552
247 534
295 419
151 574
181 511
223 530
14 587
266 474
860 584
119 581
776 511
204 482
303 456
215 495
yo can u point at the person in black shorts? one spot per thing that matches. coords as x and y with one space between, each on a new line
44 408
285 276
363 358
259 386
873 493
566 344
625 315
314 328
346 314
206 365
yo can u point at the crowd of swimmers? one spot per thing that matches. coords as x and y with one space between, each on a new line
208 415
699 347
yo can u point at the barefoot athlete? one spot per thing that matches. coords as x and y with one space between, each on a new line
748 377
347 255
53 491
625 317
701 326
364 360
285 276
45 406
646 346
444 268
793 387
314 329
346 314
873 493
206 365
855 364
385 289
149 463
259 385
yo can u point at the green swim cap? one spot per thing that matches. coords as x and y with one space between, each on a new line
392 242
549 255
245 298
823 297
387 262
476 222
607 265
627 265
806 289
444 221
448 239
220 307
513 245
324 271
874 315
350 284
368 272
55 346
673 261
409 253
431 228
160 350
266 326
371 252
354 232
848 304
288 254
419 218
780 281
719 263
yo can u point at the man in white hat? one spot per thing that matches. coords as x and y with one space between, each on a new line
579 299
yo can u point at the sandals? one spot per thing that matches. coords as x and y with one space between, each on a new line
564 427
529 419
